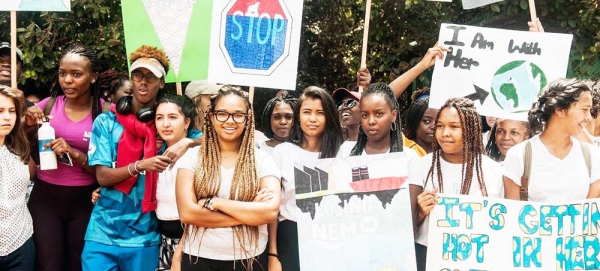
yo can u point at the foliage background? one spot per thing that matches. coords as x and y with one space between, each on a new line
400 33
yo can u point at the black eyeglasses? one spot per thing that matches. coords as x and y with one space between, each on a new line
138 76
223 116
347 103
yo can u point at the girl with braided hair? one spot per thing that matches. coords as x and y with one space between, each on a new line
317 134
113 85
278 120
59 202
457 165
380 126
559 164
227 191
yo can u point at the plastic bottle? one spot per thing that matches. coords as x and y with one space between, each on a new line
47 156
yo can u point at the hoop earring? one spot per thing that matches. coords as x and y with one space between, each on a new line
360 129
394 126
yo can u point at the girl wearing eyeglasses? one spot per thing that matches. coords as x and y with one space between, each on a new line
227 190
317 134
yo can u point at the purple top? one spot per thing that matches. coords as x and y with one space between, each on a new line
77 134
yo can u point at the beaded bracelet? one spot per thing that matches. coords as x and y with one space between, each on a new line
129 170
135 167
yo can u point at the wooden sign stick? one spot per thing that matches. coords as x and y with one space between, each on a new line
178 87
251 94
363 57
13 49
532 11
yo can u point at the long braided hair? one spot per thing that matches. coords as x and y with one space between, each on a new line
395 134
472 149
244 186
95 68
285 98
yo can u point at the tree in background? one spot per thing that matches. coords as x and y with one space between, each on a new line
330 46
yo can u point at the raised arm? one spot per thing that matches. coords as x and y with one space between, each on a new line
400 84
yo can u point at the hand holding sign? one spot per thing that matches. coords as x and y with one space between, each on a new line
433 53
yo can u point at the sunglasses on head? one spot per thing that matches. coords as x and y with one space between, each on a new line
347 103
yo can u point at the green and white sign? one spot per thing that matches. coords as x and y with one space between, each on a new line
503 71
35 5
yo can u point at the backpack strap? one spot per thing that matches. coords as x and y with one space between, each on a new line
586 155
49 106
526 173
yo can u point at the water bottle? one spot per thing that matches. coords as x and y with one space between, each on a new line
47 156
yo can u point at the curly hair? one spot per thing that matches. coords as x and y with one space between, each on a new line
594 86
396 145
559 94
109 81
268 111
16 140
146 51
472 149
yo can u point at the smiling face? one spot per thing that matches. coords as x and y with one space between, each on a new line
170 123
143 91
312 118
510 133
75 76
578 114
376 116
282 120
448 132
349 115
426 129
8 116
229 118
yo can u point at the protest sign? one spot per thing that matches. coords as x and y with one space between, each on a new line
476 233
503 71
35 5
470 4
236 42
354 213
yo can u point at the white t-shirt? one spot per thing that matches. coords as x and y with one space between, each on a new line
346 149
165 192
263 146
452 174
486 137
216 243
286 155
553 179
16 226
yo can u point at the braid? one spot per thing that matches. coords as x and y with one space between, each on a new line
109 81
472 149
415 112
244 186
396 142
268 111
95 67
492 146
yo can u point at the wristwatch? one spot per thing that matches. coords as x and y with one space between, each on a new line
208 204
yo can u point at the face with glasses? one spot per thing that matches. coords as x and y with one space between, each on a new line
229 118
145 85
349 110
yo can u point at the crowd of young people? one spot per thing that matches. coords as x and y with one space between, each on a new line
179 183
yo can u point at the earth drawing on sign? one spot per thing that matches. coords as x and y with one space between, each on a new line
517 84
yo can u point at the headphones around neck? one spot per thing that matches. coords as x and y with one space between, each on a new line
124 105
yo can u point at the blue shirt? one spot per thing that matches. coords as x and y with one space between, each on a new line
117 218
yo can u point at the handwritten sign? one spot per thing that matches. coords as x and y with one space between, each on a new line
475 233
237 42
354 214
503 71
